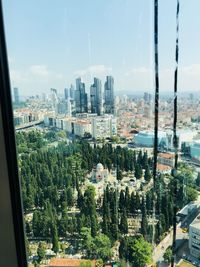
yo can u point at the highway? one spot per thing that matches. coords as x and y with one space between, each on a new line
28 125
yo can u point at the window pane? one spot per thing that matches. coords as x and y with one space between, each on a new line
82 76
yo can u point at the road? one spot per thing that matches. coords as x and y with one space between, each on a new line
167 241
180 237
28 125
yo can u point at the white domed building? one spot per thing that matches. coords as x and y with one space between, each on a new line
99 173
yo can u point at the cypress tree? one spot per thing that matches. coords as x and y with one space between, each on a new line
137 201
144 222
55 242
198 179
138 171
132 203
123 226
127 200
121 200
147 174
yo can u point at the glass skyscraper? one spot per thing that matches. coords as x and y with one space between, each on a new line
81 100
109 104
96 98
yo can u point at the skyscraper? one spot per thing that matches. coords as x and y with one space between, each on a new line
16 95
66 93
147 97
96 97
81 100
109 95
54 99
71 92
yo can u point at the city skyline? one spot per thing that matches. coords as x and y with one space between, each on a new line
117 40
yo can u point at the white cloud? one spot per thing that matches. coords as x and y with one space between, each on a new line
140 70
140 78
39 78
94 70
35 78
143 78
40 70
17 77
189 77
192 70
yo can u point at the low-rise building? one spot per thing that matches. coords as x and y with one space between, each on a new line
194 237
67 125
99 173
96 126
163 168
81 127
104 126
166 159
195 150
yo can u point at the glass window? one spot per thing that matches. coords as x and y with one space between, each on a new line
82 76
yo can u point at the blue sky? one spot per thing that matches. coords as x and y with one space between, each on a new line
51 42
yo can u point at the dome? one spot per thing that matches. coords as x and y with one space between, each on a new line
100 167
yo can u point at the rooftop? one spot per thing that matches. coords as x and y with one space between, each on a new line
184 263
196 222
61 262
166 155
163 168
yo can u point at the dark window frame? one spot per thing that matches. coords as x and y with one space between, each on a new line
12 236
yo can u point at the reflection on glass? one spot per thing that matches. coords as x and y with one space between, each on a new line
81 73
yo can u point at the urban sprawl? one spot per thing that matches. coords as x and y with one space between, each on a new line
86 172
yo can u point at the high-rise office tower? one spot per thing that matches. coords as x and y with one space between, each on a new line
54 99
72 92
147 97
54 91
69 107
96 98
16 95
66 93
81 100
109 95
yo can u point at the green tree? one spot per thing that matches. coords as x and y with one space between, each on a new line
137 201
191 193
121 200
94 226
127 200
28 250
138 171
36 264
41 251
96 248
103 247
99 263
141 252
147 174
55 243
144 222
123 226
198 179
132 203
85 264
119 175
87 240
168 255
124 249
70 198
61 134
